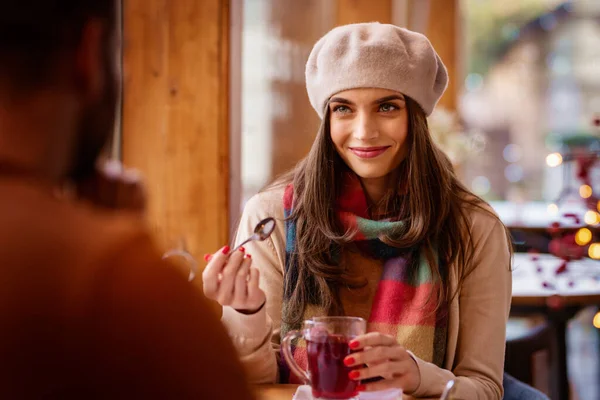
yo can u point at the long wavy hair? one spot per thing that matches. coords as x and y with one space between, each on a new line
428 196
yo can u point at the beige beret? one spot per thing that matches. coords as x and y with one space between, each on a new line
374 55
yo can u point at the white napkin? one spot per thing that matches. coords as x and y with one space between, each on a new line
305 393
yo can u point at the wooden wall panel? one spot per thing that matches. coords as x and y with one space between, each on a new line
353 11
175 118
443 32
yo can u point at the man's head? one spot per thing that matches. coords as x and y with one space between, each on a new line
64 46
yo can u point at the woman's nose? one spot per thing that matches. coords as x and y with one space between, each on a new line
365 128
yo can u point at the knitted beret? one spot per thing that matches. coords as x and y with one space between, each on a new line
375 55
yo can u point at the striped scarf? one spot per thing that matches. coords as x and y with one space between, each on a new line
405 301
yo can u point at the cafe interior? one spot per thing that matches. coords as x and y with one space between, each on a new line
213 107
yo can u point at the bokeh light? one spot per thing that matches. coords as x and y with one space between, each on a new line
513 173
554 160
591 217
585 191
481 185
512 153
583 236
594 251
596 320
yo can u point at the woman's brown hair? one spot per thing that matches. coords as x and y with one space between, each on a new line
428 196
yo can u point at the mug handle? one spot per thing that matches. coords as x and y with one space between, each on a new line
286 348
188 257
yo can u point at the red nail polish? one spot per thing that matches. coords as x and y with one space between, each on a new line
225 250
242 249
354 345
354 375
361 388
207 257
349 361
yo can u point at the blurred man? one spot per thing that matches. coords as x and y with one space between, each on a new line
87 308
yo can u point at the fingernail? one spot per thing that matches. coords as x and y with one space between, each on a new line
349 361
225 250
247 256
207 257
354 374
242 249
354 344
361 388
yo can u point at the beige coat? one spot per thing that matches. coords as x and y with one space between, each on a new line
477 316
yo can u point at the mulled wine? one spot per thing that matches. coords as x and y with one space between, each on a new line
328 374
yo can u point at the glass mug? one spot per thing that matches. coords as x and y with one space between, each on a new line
327 345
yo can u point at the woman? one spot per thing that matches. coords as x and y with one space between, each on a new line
374 223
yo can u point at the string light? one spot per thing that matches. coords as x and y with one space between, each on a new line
585 191
583 236
553 208
554 159
591 217
596 320
594 251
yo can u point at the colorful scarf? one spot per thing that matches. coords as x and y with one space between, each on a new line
405 301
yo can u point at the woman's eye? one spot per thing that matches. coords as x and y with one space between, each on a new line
387 107
341 109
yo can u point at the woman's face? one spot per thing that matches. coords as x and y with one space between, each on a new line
369 128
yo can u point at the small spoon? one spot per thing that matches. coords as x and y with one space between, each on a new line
262 231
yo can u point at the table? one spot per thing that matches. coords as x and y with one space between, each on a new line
286 392
558 304
535 215
275 392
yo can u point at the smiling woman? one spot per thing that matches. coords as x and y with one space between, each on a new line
369 128
373 223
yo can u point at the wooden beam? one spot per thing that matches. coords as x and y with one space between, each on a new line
175 118
353 11
443 32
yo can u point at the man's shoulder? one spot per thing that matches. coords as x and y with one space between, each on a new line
34 221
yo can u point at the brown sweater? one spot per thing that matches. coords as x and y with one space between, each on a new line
477 316
89 310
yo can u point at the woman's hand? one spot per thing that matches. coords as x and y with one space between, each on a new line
231 281
385 358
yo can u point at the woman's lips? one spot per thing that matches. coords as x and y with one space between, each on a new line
368 152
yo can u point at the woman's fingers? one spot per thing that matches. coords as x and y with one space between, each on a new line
240 291
377 355
226 288
372 339
386 370
210 275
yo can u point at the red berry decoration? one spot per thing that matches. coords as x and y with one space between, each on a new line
547 285
554 228
554 302
561 269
